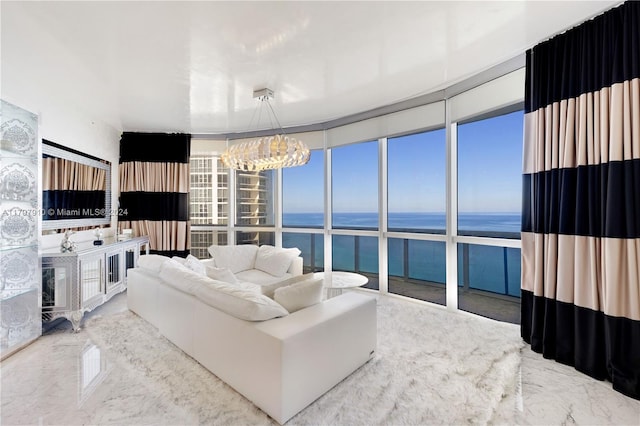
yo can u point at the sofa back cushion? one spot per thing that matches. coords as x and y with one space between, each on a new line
221 274
275 260
196 265
241 300
151 262
300 295
179 276
235 258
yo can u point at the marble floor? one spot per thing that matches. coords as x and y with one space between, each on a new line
64 378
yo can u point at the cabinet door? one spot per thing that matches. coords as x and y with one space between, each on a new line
57 280
130 257
115 270
91 278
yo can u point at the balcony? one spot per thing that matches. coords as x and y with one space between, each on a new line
489 277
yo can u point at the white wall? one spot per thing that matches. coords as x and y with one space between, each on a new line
75 108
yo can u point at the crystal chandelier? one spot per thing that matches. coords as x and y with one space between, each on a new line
268 152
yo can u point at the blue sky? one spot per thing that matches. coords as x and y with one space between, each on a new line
489 172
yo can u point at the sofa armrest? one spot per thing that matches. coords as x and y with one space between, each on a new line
296 266
317 348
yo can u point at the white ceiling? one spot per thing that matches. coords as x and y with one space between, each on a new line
192 66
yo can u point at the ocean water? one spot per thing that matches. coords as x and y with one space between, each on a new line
473 222
494 269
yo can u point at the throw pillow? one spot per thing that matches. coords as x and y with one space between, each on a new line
195 265
152 262
269 289
221 274
275 260
180 260
300 295
235 258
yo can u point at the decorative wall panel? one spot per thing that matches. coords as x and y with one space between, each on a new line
20 276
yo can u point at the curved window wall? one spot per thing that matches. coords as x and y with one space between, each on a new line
424 202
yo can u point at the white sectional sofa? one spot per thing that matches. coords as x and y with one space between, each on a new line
281 364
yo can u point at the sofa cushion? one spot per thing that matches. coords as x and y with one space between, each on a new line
180 260
221 274
275 260
179 276
239 300
269 289
259 277
235 258
196 265
300 295
151 262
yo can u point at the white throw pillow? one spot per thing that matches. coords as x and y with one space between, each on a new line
180 260
152 262
275 260
221 274
269 289
239 301
300 295
235 258
196 265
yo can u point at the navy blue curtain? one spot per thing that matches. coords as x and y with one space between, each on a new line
581 199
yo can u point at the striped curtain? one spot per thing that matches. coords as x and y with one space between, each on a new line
581 202
154 190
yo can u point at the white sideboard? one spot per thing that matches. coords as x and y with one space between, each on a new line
77 282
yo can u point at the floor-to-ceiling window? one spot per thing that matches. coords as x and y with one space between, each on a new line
416 204
489 206
303 210
354 189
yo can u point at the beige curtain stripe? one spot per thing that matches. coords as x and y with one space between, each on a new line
137 176
595 128
571 269
635 117
163 235
621 280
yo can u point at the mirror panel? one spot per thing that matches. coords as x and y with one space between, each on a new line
76 189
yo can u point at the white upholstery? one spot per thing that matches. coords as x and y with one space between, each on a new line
235 258
259 277
269 289
242 300
152 262
221 274
241 261
300 295
281 365
275 260
196 265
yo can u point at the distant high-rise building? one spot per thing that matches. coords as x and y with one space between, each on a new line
254 205
209 204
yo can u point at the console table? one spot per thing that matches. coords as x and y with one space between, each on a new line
77 282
